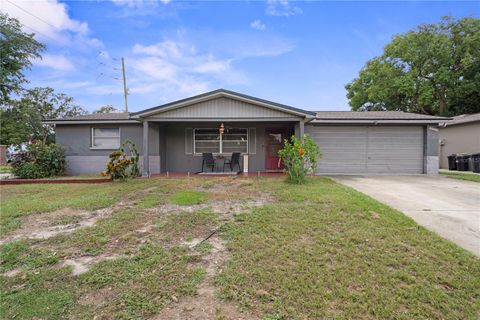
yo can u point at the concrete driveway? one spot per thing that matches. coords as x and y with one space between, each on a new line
446 206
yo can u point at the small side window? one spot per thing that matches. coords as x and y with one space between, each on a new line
105 138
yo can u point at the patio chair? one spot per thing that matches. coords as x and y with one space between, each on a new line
208 161
234 160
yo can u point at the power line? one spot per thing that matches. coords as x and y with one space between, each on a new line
43 34
32 14
100 74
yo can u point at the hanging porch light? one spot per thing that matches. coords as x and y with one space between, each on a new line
221 130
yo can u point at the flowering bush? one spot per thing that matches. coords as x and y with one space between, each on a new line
39 161
122 166
299 158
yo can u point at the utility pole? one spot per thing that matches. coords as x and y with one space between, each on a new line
125 93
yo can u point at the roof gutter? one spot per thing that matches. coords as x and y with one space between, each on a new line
377 121
88 121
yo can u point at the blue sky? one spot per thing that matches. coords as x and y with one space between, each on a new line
297 53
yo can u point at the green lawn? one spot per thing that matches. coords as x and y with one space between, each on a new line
462 176
5 169
320 250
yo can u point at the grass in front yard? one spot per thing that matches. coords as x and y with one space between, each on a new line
143 284
41 294
151 201
18 254
462 176
5 169
319 250
21 200
188 198
327 251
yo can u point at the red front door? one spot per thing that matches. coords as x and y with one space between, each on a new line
274 143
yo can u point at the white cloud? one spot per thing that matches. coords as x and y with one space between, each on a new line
139 3
258 25
156 68
212 66
177 66
166 49
55 61
282 8
50 20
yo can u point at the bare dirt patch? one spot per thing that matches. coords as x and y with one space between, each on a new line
205 305
97 298
84 263
225 208
11 273
48 224
39 226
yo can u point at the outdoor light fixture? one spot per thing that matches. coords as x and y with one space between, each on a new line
221 129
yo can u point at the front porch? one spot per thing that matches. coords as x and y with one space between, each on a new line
175 135
177 148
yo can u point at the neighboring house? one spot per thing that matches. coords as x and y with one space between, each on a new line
175 135
462 135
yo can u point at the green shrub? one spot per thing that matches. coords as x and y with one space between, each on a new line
39 161
121 166
28 170
50 158
299 158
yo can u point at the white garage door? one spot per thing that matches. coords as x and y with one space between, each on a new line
369 149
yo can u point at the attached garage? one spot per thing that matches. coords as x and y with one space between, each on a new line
369 143
369 149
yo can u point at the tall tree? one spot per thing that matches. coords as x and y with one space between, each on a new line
106 109
434 69
23 119
17 50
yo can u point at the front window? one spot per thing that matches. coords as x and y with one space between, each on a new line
210 140
108 138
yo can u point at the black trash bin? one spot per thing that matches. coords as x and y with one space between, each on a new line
452 162
462 162
476 162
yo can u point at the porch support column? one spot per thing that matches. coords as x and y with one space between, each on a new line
146 165
301 130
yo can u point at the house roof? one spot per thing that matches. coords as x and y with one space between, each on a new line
99 116
316 117
374 115
465 118
117 117
222 93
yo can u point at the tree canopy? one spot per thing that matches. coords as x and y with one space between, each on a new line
21 116
21 120
106 109
18 49
433 69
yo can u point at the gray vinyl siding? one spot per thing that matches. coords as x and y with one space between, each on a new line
82 159
222 108
77 139
369 149
179 160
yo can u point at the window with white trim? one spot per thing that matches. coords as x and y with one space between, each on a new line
210 140
106 138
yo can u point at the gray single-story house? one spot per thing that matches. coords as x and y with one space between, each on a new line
175 135
461 135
